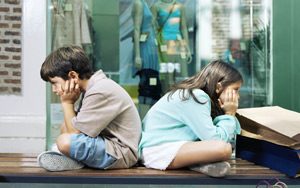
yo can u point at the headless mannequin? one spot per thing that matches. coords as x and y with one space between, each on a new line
175 54
146 63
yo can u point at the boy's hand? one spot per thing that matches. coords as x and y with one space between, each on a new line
229 101
71 92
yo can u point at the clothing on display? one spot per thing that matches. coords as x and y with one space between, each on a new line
145 60
149 86
172 38
69 24
146 41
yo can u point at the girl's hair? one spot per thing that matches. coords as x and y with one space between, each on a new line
207 79
65 59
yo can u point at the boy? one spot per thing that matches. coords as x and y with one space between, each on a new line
105 131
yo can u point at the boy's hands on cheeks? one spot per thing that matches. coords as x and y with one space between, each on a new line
229 101
70 92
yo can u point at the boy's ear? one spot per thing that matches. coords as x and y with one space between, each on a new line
73 75
219 88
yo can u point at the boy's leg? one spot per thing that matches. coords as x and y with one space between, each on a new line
76 150
54 161
90 151
59 160
204 153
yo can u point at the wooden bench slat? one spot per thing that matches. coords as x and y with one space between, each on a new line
19 155
23 168
18 164
130 172
19 159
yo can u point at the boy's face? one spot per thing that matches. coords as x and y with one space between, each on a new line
57 84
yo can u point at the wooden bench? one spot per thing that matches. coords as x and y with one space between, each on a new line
23 168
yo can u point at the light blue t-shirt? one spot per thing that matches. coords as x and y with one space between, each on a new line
170 30
172 120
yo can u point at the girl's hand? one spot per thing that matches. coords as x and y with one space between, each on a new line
71 92
229 101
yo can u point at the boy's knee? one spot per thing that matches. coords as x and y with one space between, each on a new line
63 143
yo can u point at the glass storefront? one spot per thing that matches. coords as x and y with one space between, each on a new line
176 39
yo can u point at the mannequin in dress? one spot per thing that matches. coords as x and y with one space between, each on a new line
146 64
174 50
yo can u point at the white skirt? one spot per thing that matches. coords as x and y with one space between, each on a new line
160 157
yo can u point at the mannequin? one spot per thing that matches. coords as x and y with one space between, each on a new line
174 50
146 64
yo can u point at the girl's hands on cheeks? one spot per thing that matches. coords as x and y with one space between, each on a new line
70 92
229 101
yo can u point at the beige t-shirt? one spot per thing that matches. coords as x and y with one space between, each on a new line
107 110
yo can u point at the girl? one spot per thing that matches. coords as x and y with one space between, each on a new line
193 125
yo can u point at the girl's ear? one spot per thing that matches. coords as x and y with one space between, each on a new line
219 88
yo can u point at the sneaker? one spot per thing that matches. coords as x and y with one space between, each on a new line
54 161
219 169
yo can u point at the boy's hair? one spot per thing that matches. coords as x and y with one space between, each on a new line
65 59
207 79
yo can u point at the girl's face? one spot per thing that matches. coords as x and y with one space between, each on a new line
234 89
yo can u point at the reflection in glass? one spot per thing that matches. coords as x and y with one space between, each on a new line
238 31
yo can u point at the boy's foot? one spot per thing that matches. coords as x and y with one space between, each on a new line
54 161
219 169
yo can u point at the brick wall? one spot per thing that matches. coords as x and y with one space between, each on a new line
10 47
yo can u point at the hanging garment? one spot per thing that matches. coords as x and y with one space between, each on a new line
172 46
148 48
69 24
149 86
170 29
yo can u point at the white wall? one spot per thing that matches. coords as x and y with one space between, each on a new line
23 118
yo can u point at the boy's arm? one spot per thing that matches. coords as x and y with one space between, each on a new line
71 93
69 113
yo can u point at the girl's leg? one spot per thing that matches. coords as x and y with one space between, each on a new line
201 152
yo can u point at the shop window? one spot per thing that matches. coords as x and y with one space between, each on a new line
176 39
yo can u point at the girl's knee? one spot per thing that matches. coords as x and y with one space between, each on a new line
63 143
224 149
